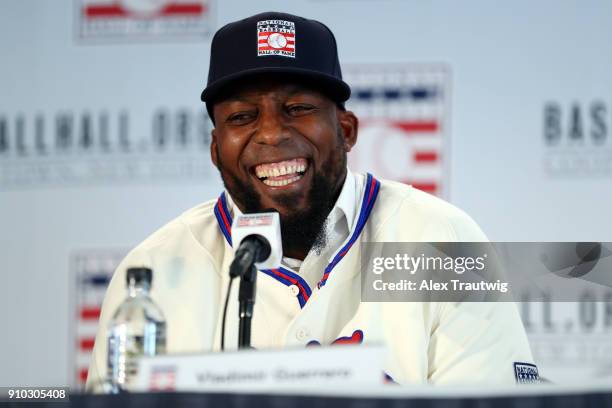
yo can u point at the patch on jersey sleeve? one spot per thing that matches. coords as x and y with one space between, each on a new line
526 373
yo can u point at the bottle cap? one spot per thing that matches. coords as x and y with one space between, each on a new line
139 275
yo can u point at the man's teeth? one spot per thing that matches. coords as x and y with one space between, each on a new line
279 183
290 167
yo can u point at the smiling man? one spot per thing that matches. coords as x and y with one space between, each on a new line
282 144
281 136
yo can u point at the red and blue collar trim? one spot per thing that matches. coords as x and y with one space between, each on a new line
286 276
369 198
224 218
289 278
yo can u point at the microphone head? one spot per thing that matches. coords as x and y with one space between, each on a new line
267 227
264 247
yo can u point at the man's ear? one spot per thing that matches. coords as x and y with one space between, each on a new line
214 153
350 127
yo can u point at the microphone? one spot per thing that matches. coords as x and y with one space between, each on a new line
257 241
253 249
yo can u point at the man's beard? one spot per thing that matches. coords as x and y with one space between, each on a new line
301 230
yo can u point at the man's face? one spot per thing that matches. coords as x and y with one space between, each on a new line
283 146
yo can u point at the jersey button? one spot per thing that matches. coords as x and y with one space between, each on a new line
302 334
294 290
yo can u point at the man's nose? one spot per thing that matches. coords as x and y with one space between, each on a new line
272 129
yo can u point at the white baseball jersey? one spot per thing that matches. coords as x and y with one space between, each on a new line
438 343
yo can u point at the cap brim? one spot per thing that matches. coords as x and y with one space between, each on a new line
337 90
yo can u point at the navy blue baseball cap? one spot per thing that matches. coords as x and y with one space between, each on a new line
279 44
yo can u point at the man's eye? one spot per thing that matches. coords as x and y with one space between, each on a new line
300 109
240 117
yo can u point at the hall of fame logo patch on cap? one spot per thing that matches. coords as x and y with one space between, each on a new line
526 373
276 37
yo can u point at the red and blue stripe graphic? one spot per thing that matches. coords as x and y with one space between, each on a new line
286 276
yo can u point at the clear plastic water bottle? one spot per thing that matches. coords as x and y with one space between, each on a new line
138 328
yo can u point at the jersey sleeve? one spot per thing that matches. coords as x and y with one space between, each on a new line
479 342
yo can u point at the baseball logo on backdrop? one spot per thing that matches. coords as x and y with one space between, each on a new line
143 19
402 112
91 272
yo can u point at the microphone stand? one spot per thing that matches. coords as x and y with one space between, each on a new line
246 299
243 265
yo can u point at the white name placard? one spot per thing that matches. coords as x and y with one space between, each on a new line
260 370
